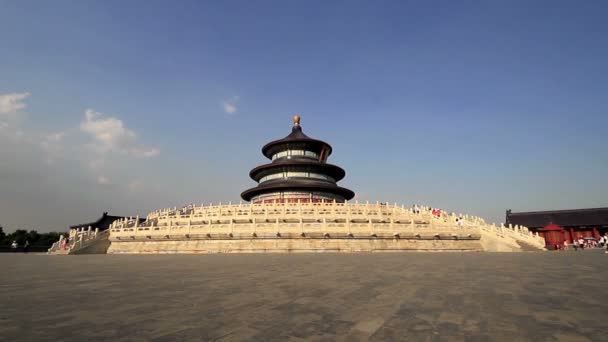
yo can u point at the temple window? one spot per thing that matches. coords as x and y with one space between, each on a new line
298 153
292 174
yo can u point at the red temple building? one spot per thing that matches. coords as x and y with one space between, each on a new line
557 226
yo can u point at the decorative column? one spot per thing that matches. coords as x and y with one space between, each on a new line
572 237
348 217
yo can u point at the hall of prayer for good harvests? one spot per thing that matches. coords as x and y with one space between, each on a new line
298 172
297 206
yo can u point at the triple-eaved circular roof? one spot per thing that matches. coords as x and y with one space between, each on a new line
295 141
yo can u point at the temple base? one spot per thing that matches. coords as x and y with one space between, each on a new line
292 246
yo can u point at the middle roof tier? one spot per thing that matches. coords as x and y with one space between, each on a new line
297 165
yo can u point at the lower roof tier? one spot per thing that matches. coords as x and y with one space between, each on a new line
299 185
297 197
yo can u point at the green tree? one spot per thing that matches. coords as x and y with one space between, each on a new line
20 235
33 237
47 239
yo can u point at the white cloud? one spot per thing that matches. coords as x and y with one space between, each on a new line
229 108
145 152
96 164
52 139
52 145
95 150
135 185
103 180
110 135
11 115
230 105
12 103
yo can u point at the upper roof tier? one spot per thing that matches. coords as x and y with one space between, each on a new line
296 140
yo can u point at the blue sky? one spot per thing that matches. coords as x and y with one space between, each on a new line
474 107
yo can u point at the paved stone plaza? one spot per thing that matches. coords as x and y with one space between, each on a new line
261 297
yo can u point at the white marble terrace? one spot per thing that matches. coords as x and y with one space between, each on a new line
313 220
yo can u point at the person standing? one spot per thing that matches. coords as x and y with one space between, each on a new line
575 244
581 243
26 247
14 245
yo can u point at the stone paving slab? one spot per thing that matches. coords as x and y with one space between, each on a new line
549 296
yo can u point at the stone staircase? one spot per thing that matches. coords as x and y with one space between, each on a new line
527 247
58 251
510 239
83 242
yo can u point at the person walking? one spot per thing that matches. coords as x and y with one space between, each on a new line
14 245
26 247
575 244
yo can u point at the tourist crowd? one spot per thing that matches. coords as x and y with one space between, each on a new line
65 243
417 209
15 246
584 242
436 212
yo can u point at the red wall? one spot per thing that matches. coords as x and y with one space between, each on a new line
554 236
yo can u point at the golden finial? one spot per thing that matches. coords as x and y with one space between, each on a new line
296 120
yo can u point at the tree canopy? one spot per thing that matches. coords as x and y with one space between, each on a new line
33 237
